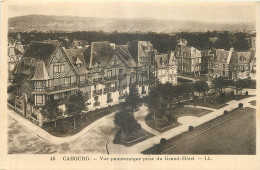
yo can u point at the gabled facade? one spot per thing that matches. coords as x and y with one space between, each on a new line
166 68
188 58
231 64
104 73
111 71
218 62
45 72
15 54
143 53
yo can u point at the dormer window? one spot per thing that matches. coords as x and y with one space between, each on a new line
78 62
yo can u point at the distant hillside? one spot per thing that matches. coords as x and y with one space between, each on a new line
70 23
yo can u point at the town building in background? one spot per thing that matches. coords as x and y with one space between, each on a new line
188 58
230 64
104 72
166 68
15 54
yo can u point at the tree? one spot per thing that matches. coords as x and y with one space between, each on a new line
218 83
201 87
52 110
240 85
75 105
133 99
154 102
126 120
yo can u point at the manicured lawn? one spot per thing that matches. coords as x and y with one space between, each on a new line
234 133
188 111
65 125
129 140
219 102
159 124
162 125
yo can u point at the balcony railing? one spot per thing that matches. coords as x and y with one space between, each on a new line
96 104
56 88
122 97
83 83
146 82
121 76
97 80
109 89
122 86
144 73
109 100
110 78
97 92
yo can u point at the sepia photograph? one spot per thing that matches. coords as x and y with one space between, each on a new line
131 77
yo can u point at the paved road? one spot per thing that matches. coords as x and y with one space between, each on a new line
24 140
92 139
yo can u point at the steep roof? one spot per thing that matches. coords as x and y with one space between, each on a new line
76 56
100 52
42 50
189 50
133 49
124 54
161 60
141 49
13 51
222 55
244 57
40 72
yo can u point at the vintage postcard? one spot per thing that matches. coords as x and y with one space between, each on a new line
129 85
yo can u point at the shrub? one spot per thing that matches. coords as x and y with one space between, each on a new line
163 141
246 92
222 95
191 128
225 112
232 93
240 105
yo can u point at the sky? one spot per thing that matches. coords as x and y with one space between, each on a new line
196 11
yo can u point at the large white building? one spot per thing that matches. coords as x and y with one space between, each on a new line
166 68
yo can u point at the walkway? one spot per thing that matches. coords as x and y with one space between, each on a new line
201 107
47 136
138 148
140 117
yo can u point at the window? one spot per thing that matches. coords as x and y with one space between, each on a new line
131 79
38 84
96 98
50 83
120 71
39 99
82 78
143 89
67 80
160 60
132 70
58 68
109 73
108 96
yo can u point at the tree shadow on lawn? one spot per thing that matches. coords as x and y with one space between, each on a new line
137 136
65 125
164 124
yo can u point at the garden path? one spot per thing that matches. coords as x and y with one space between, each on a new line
139 147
